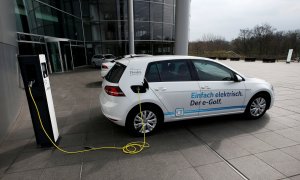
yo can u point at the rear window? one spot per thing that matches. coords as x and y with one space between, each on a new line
115 74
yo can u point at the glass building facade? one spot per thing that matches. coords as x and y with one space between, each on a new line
70 32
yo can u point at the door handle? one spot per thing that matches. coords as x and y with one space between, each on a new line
160 89
205 87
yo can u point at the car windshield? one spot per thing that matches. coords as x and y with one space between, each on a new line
109 56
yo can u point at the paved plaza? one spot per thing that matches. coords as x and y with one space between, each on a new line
226 147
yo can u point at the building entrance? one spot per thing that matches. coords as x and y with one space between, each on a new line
60 54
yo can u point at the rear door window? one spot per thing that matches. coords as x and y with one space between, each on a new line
116 72
166 71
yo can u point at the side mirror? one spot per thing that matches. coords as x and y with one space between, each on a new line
237 78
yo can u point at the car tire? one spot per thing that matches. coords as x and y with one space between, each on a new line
94 64
257 106
152 118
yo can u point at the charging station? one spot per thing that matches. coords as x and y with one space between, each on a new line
35 75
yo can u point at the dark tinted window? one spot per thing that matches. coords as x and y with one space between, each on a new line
174 70
116 72
211 71
152 74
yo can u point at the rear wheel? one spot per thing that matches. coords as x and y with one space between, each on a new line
145 121
257 106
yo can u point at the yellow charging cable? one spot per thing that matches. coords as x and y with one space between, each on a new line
130 148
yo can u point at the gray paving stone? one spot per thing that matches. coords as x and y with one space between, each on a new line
287 121
6 159
290 133
274 125
13 146
254 168
27 175
172 160
228 149
30 161
215 132
217 171
200 155
295 177
293 151
102 170
189 173
275 140
252 144
252 126
59 158
159 166
69 140
62 173
282 162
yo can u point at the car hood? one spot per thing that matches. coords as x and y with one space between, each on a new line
255 80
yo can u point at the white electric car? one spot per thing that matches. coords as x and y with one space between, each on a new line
98 59
172 88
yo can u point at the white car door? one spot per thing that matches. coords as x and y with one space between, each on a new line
219 92
173 84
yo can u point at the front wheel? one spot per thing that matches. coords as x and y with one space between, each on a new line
145 121
257 106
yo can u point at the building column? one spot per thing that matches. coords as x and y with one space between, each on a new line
130 27
182 25
10 92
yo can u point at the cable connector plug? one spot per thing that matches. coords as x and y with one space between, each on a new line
31 83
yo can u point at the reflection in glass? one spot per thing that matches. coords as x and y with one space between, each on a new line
156 12
141 11
167 32
142 31
142 47
168 14
157 31
170 2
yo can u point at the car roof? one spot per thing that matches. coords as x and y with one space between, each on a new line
148 59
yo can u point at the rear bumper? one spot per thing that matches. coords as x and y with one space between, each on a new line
113 111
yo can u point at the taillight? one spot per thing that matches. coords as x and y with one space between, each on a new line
104 66
114 91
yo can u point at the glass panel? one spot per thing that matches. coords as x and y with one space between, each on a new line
156 12
44 20
157 31
174 71
170 2
159 1
142 31
167 32
109 30
107 10
168 48
210 71
142 47
168 14
157 48
54 56
141 11
78 56
152 74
